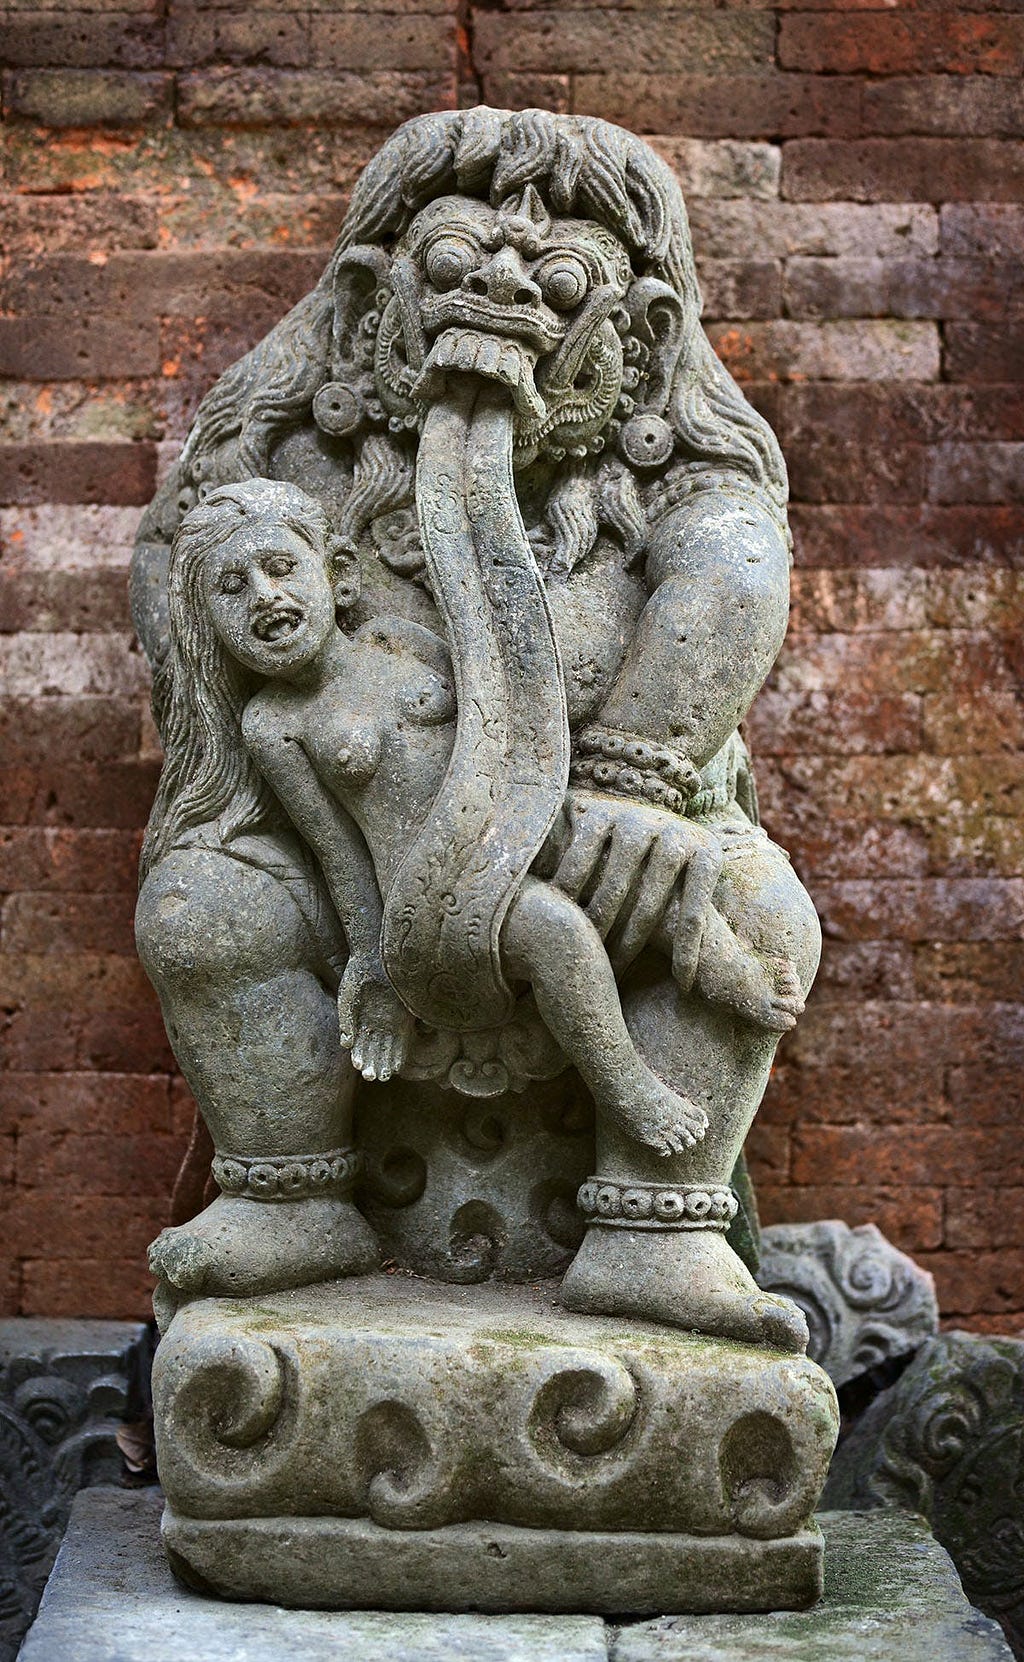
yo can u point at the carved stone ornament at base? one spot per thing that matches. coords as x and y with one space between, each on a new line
468 938
947 1441
388 1442
866 1302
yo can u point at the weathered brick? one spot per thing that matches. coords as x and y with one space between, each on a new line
975 290
981 230
744 106
33 225
51 922
888 44
834 723
894 597
92 1163
925 536
506 89
108 473
923 909
860 1155
67 537
722 170
967 971
269 97
49 349
910 1217
79 861
852 971
983 352
741 288
79 601
987 1217
85 1225
88 97
121 39
62 664
847 351
112 1289
994 723
110 1104
735 230
898 414
972 106
352 41
198 35
824 467
976 473
723 43
69 730
975 1281
898 169
117 795
983 1094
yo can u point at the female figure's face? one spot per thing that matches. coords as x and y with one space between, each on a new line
270 597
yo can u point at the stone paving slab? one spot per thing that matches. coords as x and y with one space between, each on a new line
891 1595
890 1592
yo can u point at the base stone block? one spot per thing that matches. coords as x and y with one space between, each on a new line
890 1591
385 1443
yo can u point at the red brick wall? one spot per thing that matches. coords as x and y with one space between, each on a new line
174 177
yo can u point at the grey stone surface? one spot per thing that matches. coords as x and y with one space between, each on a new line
464 579
423 1411
64 1388
890 1593
865 1301
947 1440
468 938
112 1598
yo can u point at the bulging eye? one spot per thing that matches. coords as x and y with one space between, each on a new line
232 582
563 282
279 566
449 259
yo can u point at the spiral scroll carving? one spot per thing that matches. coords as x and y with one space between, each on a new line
584 1411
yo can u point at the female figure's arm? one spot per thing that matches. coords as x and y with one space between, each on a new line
373 1022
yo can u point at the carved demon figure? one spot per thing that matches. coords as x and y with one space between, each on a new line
466 576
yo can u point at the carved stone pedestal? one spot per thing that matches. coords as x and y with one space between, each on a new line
385 1443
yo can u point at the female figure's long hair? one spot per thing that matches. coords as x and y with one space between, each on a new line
209 777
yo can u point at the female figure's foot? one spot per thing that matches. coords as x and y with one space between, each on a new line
688 1278
241 1247
650 1111
765 992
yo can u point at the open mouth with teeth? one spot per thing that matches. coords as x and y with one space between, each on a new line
278 625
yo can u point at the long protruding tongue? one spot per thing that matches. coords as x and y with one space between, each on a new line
509 768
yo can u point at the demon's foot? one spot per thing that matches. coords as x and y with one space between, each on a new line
240 1247
685 1278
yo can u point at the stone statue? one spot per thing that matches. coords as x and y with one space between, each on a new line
466 576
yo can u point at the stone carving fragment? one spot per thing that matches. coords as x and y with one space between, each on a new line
64 1389
865 1301
454 891
947 1441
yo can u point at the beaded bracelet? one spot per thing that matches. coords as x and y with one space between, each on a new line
630 766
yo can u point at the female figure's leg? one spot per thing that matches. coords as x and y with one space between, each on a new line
255 1031
550 942
656 1245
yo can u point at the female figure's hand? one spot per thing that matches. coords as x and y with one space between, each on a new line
642 857
373 1022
